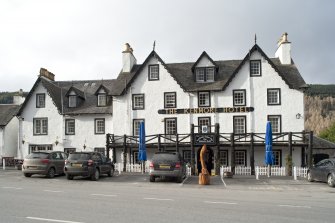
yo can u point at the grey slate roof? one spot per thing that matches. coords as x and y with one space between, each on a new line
87 102
7 112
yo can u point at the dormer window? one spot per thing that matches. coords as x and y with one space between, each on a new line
204 74
72 101
102 100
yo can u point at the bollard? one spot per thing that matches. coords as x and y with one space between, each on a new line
295 172
257 172
3 164
119 168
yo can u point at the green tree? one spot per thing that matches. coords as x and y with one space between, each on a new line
329 133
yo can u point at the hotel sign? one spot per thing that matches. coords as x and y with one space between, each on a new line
172 111
208 139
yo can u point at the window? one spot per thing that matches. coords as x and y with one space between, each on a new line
204 74
136 126
138 101
99 126
204 99
170 126
277 158
187 156
275 121
40 126
69 127
102 100
240 158
239 97
100 150
240 126
72 101
255 68
36 148
273 96
204 121
69 150
135 157
170 100
153 72
40 100
223 159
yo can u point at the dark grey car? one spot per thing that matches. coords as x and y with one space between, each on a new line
167 164
323 171
88 164
44 163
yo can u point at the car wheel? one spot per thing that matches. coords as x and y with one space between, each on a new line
331 180
27 174
309 177
69 177
95 175
152 179
51 173
111 172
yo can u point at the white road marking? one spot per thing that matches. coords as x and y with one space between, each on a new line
157 199
104 195
53 191
52 220
219 202
293 206
15 188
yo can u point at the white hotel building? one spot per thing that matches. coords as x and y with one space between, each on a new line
233 99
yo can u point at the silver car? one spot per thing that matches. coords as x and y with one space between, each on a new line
167 164
44 163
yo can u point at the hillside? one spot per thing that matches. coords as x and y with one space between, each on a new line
319 107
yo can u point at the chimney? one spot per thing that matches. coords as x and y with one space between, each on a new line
18 98
284 50
47 74
128 58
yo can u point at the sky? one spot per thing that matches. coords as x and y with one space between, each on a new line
84 39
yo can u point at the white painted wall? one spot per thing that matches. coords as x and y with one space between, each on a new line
9 138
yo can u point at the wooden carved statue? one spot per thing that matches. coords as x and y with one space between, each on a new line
204 175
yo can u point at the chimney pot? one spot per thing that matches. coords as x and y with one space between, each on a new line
45 73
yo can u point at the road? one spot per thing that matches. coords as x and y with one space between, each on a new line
128 198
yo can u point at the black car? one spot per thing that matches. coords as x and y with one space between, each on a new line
323 171
88 164
167 164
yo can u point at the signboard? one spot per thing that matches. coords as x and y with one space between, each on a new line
172 111
208 139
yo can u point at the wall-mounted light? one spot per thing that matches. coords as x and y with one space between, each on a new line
84 146
298 116
56 142
23 141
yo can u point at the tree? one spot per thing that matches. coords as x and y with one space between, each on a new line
329 133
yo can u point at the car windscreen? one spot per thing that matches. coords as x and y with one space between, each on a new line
37 156
165 157
79 156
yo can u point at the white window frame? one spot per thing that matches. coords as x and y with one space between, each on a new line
138 101
37 148
240 123
239 97
170 100
70 130
204 121
40 100
153 72
40 126
170 126
200 75
102 100
204 99
72 101
210 73
275 121
273 96
99 126
255 68
136 126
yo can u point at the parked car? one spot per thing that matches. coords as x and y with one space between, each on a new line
44 163
323 171
88 164
167 164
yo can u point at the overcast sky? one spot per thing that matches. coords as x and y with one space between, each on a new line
83 40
